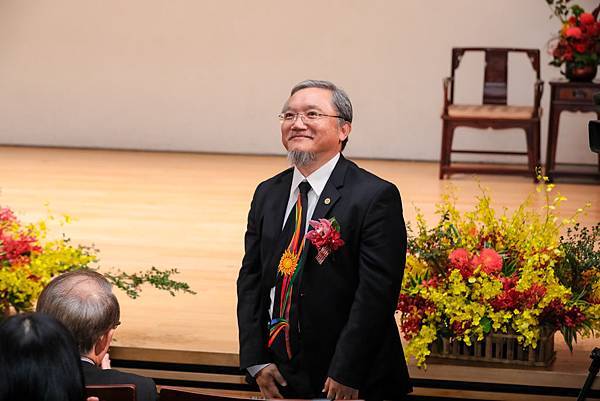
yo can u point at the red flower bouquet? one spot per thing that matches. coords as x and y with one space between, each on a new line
578 42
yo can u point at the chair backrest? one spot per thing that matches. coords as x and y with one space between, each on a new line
111 392
168 393
174 394
495 77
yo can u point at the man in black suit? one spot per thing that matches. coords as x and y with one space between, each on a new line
83 301
317 322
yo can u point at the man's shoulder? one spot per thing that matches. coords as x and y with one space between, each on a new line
276 179
359 176
94 375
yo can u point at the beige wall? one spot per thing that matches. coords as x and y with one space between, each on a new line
211 75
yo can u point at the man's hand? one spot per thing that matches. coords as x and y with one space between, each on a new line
266 378
337 391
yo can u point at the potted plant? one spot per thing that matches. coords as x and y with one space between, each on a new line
29 260
577 45
486 286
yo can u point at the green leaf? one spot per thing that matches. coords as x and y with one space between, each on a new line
160 279
486 324
335 225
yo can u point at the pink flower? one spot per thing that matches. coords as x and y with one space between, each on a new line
573 32
324 235
459 258
489 260
7 215
17 250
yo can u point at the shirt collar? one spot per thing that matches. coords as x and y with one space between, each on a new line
317 179
87 360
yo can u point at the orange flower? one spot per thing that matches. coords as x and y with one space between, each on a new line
573 32
288 263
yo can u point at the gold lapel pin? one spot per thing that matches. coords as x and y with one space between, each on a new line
327 201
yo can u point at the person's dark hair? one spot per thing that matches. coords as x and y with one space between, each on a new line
38 360
83 301
339 98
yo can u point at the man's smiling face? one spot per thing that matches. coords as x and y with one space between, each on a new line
322 136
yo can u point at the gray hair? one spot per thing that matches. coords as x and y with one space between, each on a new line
339 99
83 301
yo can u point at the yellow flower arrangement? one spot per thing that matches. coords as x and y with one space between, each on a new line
475 273
29 260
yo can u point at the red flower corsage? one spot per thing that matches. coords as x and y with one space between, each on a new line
325 237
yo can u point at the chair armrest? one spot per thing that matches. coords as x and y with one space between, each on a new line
448 82
538 89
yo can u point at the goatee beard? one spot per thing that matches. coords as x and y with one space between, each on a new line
300 159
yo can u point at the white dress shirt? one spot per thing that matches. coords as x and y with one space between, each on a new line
317 181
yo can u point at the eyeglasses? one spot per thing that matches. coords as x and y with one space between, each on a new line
290 117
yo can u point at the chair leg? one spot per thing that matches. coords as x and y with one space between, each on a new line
447 137
537 153
531 134
443 150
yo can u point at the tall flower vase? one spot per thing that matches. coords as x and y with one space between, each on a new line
584 73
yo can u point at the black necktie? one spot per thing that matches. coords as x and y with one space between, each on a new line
279 345
304 187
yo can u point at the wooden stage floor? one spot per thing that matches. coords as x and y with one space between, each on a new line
189 211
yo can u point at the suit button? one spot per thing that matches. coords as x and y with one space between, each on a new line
301 294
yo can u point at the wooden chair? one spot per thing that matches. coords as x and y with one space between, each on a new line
111 392
493 112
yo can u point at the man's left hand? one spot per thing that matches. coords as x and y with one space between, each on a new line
337 391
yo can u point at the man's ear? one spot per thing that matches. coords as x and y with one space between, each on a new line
344 131
103 343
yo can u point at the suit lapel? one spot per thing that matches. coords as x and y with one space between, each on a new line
329 197
275 205
274 213
330 194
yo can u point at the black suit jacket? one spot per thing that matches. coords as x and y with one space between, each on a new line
145 388
347 304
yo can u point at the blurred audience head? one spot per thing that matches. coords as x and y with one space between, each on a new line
83 301
38 360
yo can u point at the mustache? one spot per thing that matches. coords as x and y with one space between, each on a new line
293 135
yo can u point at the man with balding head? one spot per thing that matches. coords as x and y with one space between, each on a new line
83 301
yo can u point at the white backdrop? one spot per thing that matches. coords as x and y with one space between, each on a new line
211 76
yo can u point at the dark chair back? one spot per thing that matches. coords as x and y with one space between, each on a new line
168 393
111 392
495 77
